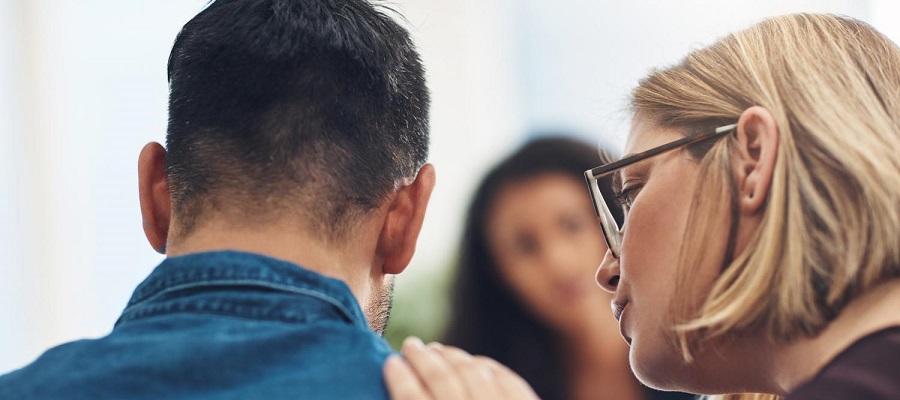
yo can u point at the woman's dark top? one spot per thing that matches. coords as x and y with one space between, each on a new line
867 370
651 394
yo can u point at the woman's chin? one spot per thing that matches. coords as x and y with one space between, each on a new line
658 368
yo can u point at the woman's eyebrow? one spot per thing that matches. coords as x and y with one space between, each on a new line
638 169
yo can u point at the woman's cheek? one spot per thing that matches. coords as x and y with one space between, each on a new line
529 286
655 226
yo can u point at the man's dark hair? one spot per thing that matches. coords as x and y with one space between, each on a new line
312 106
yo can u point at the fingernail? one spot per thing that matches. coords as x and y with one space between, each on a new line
435 345
413 342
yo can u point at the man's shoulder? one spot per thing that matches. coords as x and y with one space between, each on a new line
338 350
343 363
321 360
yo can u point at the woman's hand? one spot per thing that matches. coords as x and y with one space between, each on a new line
438 372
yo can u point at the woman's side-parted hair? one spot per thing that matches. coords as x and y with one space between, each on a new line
831 228
486 317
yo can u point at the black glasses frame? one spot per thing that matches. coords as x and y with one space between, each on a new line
612 234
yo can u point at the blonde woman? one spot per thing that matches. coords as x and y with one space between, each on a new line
761 247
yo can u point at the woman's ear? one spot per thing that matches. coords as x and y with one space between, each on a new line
403 222
754 162
153 186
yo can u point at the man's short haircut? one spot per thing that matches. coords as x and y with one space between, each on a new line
315 107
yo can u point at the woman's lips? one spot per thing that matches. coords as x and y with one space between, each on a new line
618 309
619 312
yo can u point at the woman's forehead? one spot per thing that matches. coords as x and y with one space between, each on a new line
645 135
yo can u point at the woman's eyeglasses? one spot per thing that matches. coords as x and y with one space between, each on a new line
612 234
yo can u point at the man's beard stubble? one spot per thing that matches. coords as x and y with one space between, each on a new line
379 305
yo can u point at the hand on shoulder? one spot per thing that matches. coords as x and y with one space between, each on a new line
439 372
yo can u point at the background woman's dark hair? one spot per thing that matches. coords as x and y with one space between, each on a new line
486 316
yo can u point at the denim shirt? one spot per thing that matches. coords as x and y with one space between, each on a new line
219 325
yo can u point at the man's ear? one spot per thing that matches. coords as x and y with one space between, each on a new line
156 204
403 222
754 161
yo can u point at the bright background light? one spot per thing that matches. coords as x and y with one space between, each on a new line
83 87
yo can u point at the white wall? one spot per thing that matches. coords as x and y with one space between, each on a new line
580 58
13 322
84 88
885 16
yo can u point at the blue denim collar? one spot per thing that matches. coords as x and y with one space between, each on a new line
234 268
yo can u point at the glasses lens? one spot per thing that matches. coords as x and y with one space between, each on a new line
611 233
610 230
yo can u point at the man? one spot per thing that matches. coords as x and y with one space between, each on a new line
293 185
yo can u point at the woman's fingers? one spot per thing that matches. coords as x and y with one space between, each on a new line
439 372
402 382
485 378
435 373
476 375
511 384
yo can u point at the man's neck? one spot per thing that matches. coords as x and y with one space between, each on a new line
800 361
290 244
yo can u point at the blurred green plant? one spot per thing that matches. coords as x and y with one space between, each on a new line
421 306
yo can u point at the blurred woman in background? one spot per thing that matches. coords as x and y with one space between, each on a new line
523 292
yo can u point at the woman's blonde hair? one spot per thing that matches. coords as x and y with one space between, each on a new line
831 228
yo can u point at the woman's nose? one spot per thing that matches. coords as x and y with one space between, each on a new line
562 256
608 273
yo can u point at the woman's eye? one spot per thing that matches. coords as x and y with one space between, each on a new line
525 245
625 198
572 224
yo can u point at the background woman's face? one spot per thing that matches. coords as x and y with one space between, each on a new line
546 242
661 190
